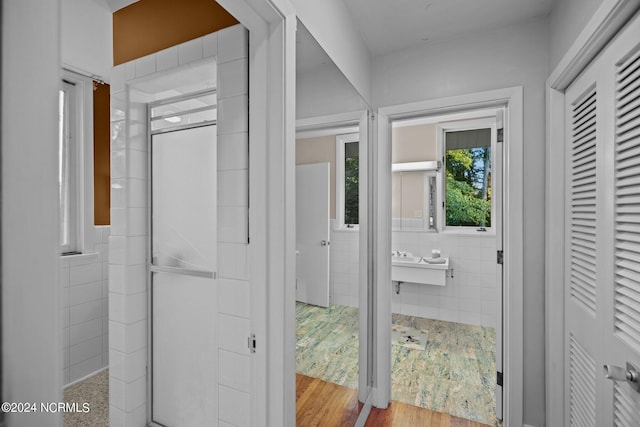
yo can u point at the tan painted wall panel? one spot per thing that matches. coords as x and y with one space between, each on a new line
320 150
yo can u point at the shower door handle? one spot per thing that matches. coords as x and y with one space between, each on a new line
324 243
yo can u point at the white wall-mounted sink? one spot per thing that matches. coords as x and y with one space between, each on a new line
413 269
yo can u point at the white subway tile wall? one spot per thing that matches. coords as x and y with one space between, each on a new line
471 296
127 290
344 271
84 281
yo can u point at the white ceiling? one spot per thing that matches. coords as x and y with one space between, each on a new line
390 25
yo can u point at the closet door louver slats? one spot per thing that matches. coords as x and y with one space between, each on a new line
627 213
583 201
582 403
626 412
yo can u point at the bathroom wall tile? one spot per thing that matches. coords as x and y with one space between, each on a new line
136 164
449 303
85 350
232 261
65 350
233 79
233 151
117 336
470 318
232 115
471 305
232 334
117 250
129 367
85 293
85 368
117 393
136 221
233 224
233 406
85 312
234 370
145 65
138 416
167 58
118 163
136 279
82 274
117 307
233 188
119 221
234 297
117 278
135 394
190 51
117 416
117 78
64 299
224 424
429 312
449 315
118 194
129 70
65 376
137 193
210 45
136 252
233 43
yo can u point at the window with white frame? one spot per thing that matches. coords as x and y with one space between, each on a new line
347 180
67 170
468 174
75 164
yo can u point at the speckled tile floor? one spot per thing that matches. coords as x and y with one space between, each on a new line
455 374
94 391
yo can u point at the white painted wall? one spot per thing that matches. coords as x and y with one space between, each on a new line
31 327
566 21
511 56
329 22
87 37
324 90
128 242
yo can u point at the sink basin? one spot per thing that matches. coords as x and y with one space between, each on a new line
414 269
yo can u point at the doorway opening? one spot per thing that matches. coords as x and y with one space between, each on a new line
446 228
506 106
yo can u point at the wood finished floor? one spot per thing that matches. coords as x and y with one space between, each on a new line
320 403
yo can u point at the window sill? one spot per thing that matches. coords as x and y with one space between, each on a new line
470 232
81 256
346 229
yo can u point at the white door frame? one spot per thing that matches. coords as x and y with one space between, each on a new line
512 100
605 23
271 249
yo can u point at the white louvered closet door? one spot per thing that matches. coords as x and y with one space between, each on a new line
602 286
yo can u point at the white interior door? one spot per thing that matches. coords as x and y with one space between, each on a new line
312 234
602 283
184 358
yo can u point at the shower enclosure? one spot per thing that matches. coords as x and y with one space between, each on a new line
183 210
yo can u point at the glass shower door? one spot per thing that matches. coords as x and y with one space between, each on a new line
183 293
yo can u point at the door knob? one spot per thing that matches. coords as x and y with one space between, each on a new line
324 243
630 375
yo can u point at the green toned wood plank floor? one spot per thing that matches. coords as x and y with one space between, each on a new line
454 375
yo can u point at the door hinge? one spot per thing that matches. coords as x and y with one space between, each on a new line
499 378
500 136
500 257
251 341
